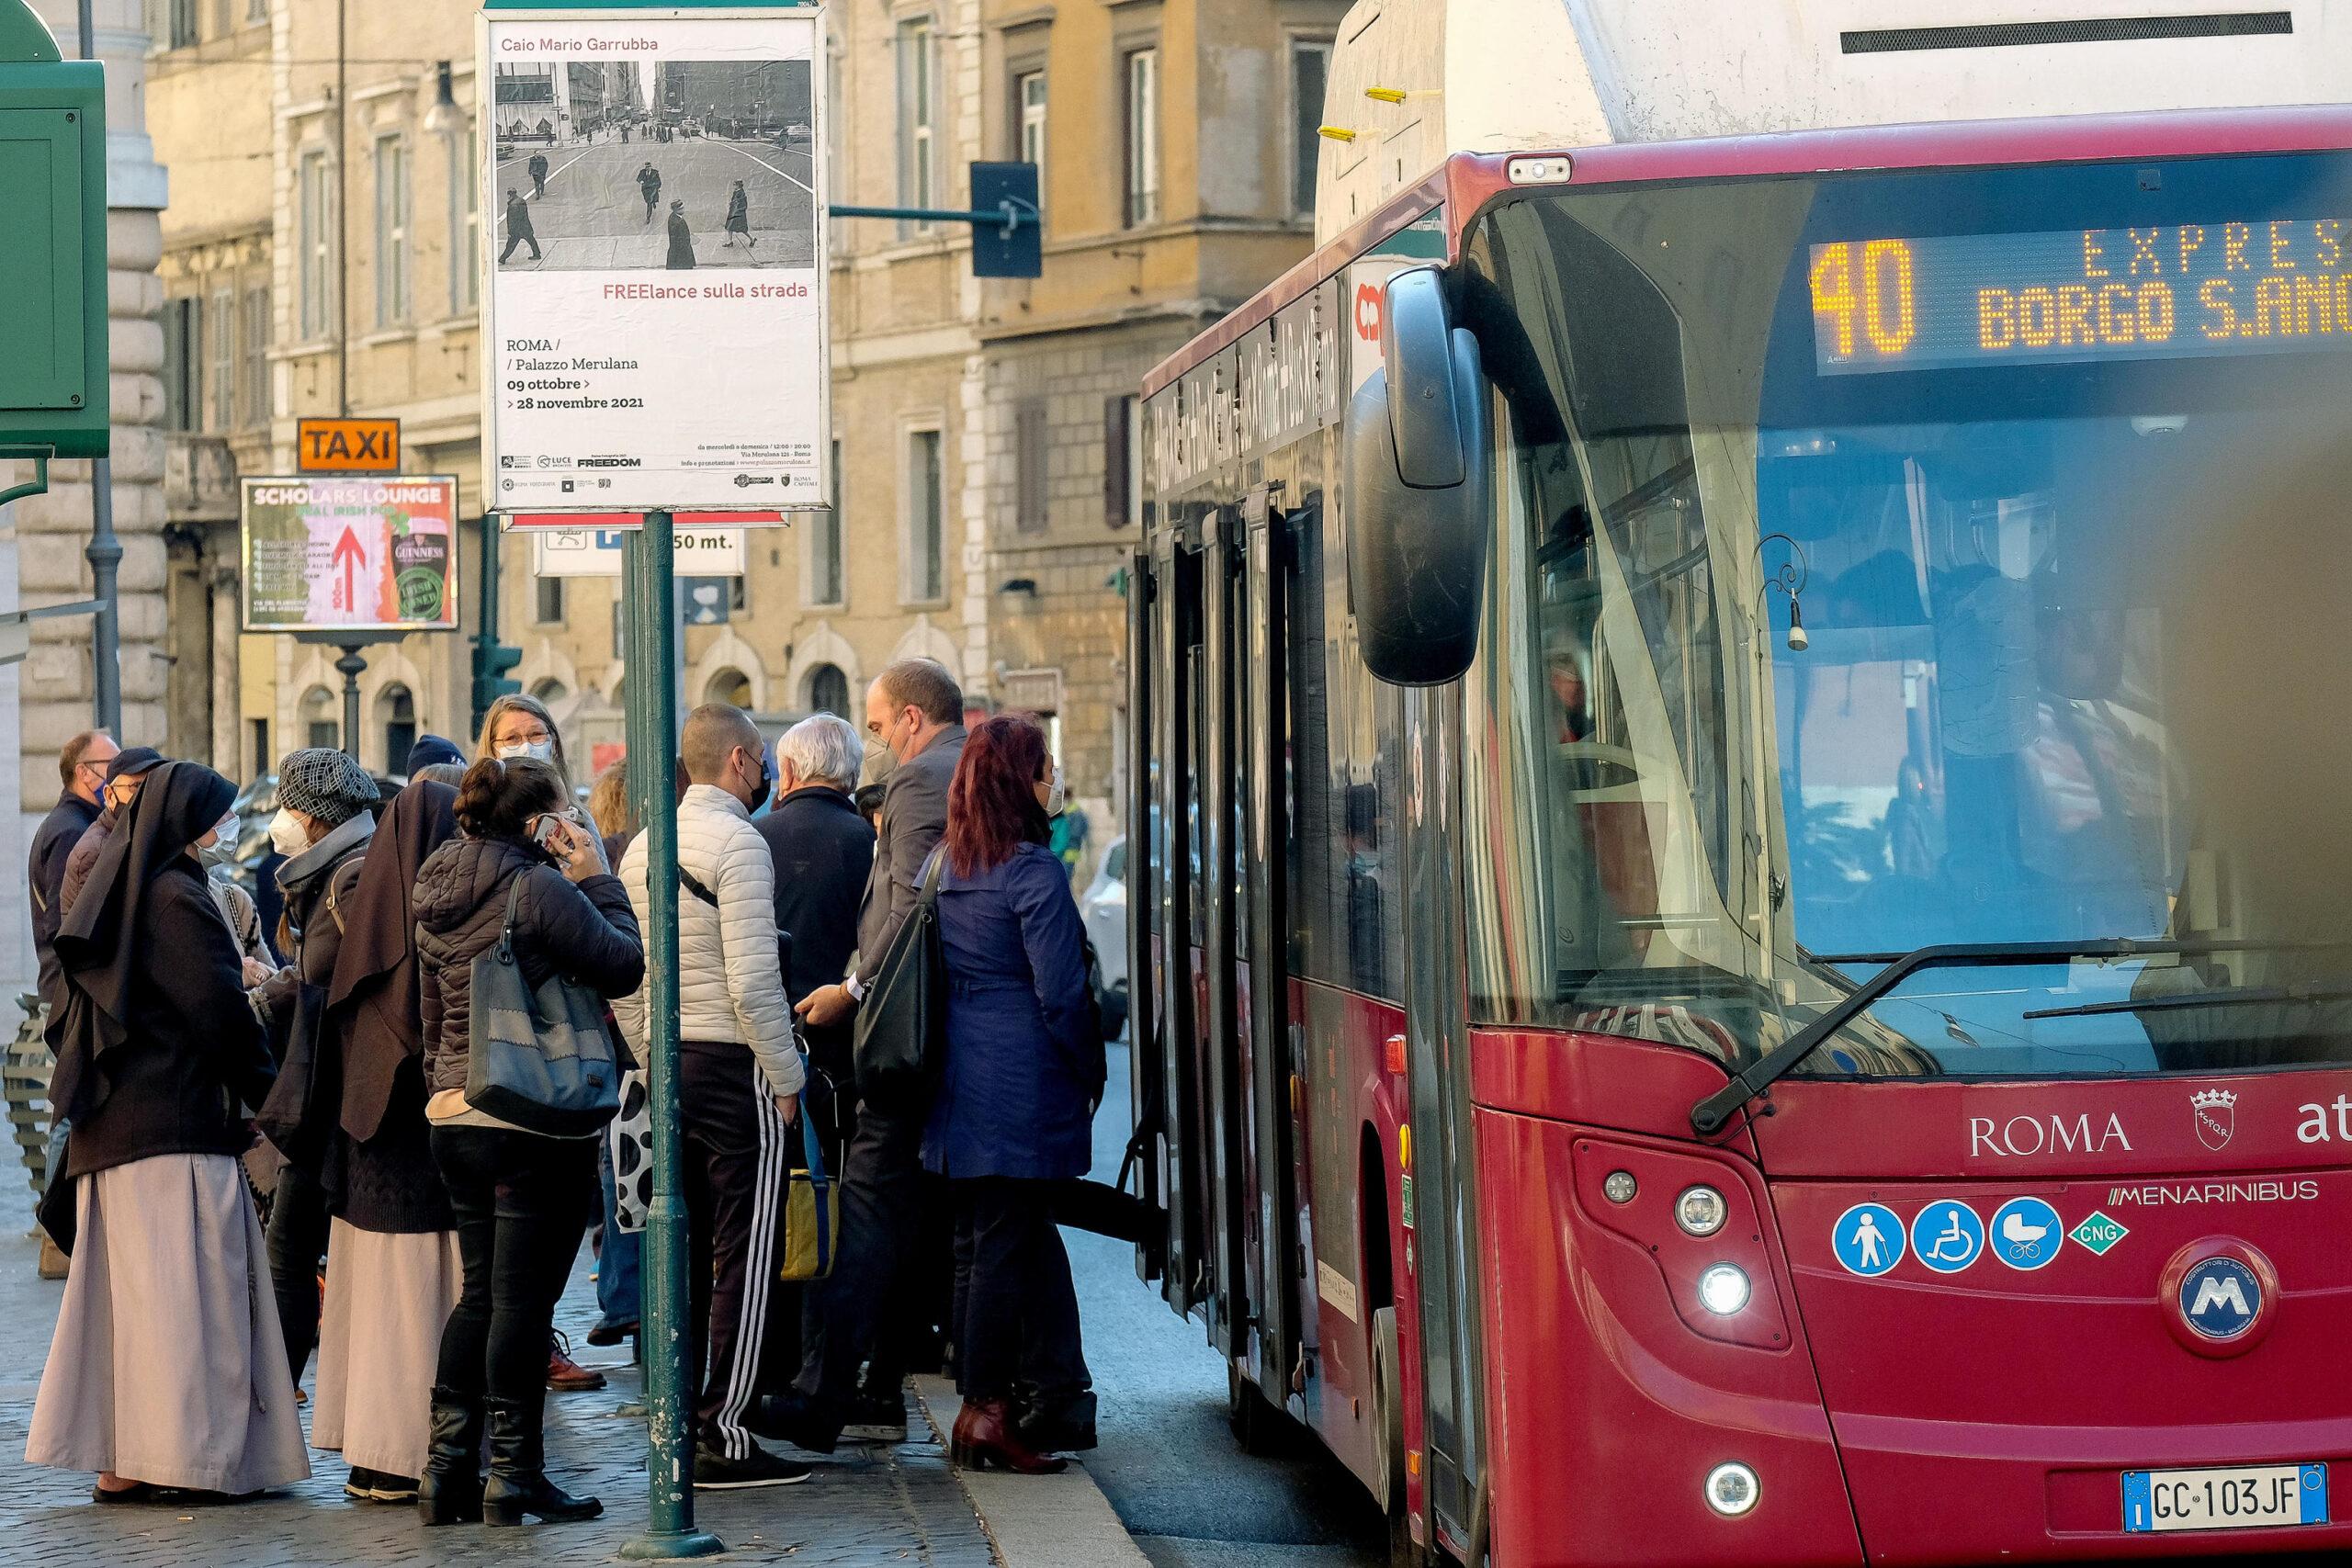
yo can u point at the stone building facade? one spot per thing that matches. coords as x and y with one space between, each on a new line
1179 142
986 449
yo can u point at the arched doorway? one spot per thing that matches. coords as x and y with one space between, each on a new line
827 691
729 685
320 718
396 714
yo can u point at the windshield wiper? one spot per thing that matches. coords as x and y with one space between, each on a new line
2243 997
1708 1117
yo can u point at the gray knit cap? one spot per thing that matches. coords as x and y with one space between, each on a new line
325 783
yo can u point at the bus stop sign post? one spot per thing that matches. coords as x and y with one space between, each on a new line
647 578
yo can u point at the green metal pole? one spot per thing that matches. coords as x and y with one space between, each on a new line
652 769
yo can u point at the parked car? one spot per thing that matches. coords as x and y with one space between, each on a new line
1103 909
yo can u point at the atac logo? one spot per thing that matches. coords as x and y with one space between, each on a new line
2220 1299
2216 1112
1368 304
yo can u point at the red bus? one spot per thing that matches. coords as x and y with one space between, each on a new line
1739 937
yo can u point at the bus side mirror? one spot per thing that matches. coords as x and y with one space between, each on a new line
1417 490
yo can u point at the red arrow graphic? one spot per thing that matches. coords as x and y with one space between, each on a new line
349 555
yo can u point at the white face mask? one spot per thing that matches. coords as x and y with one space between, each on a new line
537 750
1054 793
222 850
288 834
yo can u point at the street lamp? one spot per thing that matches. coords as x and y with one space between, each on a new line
441 119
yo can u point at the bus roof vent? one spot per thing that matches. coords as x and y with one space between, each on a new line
2087 29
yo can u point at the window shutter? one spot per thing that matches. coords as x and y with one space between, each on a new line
1029 465
1118 436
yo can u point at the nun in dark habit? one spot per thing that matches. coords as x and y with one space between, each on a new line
393 1267
167 1374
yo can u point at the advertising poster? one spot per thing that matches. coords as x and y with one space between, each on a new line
350 555
657 331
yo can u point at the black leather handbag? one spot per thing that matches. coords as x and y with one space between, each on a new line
902 1023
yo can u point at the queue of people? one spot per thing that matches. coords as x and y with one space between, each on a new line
276 1133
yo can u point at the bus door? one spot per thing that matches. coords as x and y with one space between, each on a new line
1442 1242
1168 1097
1221 700
1267 565
1147 1025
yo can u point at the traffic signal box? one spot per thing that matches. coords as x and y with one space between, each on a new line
53 264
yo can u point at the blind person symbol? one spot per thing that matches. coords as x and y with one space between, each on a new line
1868 1239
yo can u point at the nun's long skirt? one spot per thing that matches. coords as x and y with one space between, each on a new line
380 1340
167 1365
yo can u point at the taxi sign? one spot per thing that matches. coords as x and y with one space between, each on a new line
347 445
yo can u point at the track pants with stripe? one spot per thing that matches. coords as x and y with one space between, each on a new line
738 1154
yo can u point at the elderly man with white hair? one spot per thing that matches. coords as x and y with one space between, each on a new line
824 853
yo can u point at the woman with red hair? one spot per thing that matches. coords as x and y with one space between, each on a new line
1014 1111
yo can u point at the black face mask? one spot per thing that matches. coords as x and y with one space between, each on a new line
767 784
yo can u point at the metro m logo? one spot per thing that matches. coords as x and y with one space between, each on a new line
2223 1292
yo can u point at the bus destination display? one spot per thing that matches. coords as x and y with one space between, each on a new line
2185 291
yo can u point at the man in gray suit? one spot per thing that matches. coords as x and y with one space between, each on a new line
916 709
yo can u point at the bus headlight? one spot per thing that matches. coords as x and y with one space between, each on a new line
1722 1290
1731 1490
1700 1211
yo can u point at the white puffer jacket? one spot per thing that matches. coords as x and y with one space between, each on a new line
730 981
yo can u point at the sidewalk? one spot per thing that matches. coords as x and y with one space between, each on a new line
863 1508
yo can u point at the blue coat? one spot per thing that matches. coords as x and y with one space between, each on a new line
1023 1056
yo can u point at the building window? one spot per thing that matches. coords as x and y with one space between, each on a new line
465 228
730 686
220 361
182 364
828 691
182 23
396 709
825 545
1143 137
391 230
1029 465
926 542
1029 116
256 10
321 719
1310 68
315 232
263 761
253 370
547 608
918 119
1122 461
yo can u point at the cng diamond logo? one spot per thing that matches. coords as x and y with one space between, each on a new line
2097 1234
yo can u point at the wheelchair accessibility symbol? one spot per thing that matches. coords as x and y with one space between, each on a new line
1947 1235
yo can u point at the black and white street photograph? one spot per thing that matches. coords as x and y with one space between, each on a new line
673 164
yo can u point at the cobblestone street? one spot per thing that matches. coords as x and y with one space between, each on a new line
865 1508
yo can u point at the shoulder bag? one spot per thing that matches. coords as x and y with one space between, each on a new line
539 1059
812 1210
902 1025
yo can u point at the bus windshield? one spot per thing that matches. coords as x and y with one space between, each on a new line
1914 559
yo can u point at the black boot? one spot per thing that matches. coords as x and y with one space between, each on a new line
450 1491
518 1481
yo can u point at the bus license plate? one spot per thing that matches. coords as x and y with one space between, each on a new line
2245 1498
